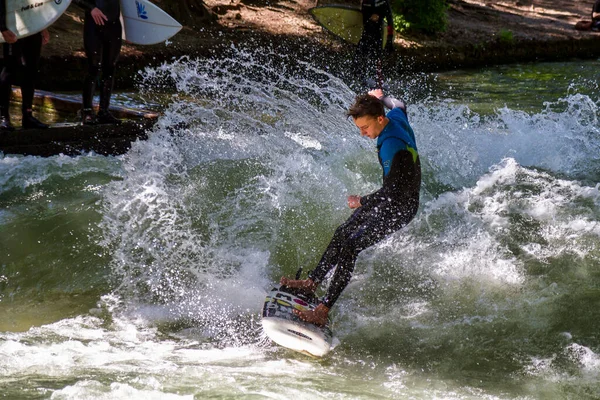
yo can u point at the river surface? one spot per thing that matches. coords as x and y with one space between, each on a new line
142 276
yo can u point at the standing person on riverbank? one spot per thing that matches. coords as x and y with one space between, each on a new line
368 58
378 214
20 55
102 37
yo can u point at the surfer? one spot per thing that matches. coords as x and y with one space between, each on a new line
369 53
102 34
378 214
20 55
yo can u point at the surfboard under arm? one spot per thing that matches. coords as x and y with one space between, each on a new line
145 23
27 17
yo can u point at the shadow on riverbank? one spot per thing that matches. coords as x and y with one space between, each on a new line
479 34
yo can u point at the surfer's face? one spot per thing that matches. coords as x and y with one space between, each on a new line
370 126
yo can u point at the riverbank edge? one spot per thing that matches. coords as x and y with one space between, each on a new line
65 72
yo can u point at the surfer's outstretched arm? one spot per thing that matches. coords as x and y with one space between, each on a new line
392 103
388 101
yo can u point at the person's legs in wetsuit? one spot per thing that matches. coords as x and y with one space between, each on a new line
369 54
110 55
22 56
31 52
102 47
366 227
12 53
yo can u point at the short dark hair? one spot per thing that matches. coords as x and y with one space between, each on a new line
366 105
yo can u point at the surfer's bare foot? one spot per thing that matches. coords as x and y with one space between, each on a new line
318 316
308 285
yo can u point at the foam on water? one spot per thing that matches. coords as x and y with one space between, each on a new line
257 124
244 178
193 222
461 145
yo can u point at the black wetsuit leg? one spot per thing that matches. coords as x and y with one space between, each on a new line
369 53
102 47
31 49
367 226
22 57
7 77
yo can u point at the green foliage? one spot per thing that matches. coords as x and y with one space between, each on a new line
506 36
428 16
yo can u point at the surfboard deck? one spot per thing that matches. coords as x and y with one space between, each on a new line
344 21
286 329
145 23
27 17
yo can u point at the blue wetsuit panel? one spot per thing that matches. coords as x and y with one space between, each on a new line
396 136
387 152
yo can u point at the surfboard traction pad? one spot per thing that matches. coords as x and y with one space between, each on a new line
278 308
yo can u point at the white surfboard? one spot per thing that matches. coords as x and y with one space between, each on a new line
26 17
145 23
288 330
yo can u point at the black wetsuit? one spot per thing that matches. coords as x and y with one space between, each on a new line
20 58
596 21
102 45
382 212
369 53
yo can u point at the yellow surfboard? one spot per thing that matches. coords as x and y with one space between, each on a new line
343 21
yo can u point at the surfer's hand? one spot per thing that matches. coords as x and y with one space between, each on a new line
45 37
376 93
354 200
374 18
9 36
98 16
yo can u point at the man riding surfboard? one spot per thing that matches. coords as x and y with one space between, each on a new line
378 214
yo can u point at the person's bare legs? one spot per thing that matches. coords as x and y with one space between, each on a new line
318 316
307 285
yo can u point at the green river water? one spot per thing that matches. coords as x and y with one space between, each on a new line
142 276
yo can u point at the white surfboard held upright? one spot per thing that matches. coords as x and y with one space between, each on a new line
145 23
26 17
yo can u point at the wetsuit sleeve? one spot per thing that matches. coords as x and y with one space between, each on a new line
87 5
3 26
392 103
